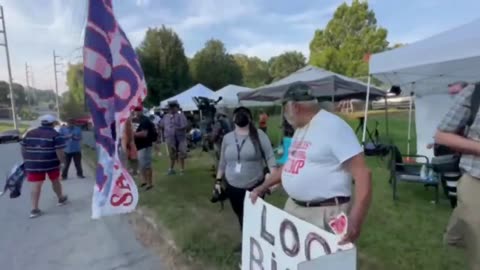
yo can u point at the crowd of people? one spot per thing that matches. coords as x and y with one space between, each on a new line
324 159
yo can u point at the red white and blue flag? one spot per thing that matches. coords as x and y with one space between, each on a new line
114 86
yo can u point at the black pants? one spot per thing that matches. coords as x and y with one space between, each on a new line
237 197
77 159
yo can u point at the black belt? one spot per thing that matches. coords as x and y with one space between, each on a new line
328 202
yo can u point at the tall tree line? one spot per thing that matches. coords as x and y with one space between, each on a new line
343 46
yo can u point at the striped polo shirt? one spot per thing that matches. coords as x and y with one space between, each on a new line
39 149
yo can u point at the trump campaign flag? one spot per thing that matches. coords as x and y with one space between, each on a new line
114 86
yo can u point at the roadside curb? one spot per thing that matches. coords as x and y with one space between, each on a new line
154 236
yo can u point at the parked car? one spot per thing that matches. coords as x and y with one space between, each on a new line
83 122
10 136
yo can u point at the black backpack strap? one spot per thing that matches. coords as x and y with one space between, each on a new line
475 105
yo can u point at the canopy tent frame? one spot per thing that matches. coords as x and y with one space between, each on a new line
410 113
324 84
366 109
425 68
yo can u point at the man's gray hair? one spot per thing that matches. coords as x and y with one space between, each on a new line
315 104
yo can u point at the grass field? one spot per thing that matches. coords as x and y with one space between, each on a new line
5 127
404 235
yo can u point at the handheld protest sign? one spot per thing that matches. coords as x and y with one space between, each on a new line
274 239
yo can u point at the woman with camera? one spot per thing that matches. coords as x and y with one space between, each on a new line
246 156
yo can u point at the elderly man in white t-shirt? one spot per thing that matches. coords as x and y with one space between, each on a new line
324 158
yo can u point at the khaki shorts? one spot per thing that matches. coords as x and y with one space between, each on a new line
319 216
463 229
178 151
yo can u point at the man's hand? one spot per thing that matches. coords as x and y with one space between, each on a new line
353 231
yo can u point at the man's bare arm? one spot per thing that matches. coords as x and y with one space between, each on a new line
458 143
362 176
274 178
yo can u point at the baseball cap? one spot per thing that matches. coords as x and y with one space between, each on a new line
173 103
298 92
47 119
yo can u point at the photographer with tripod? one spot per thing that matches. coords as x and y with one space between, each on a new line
221 127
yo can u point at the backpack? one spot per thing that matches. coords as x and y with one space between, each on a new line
153 134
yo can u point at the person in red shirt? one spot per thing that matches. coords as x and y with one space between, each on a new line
262 122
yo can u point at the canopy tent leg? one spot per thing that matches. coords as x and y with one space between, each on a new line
365 116
410 122
387 132
280 134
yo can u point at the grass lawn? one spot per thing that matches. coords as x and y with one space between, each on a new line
5 127
404 235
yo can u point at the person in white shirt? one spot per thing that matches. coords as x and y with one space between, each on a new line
324 157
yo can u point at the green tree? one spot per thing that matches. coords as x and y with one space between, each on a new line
18 92
350 35
254 70
20 96
72 102
76 89
164 63
285 64
4 92
214 67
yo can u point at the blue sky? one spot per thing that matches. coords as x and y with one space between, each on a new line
262 28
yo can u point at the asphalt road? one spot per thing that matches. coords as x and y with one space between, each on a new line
64 237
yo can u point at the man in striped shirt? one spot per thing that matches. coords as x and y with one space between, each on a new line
42 151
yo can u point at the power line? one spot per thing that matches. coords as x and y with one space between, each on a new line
12 96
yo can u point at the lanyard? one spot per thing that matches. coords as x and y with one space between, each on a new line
239 146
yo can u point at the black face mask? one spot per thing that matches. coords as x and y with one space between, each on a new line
241 119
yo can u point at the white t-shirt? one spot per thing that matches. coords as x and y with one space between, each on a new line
314 168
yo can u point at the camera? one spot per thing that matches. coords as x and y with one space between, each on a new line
218 193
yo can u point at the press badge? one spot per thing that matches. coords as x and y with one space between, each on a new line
238 167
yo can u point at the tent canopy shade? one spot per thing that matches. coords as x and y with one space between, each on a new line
325 85
428 66
185 99
230 99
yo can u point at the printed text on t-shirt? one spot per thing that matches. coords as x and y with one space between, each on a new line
296 157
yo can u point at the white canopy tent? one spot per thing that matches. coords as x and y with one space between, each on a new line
425 68
185 99
230 99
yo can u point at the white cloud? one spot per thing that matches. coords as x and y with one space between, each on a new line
142 3
266 50
33 36
203 13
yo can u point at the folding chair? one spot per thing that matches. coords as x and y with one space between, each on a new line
401 171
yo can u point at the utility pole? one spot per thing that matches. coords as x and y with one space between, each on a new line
12 96
33 86
55 64
29 95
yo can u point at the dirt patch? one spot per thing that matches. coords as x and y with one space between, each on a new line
158 239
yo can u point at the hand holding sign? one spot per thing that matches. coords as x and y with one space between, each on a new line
347 233
349 228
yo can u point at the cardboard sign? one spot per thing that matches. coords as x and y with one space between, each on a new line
275 240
